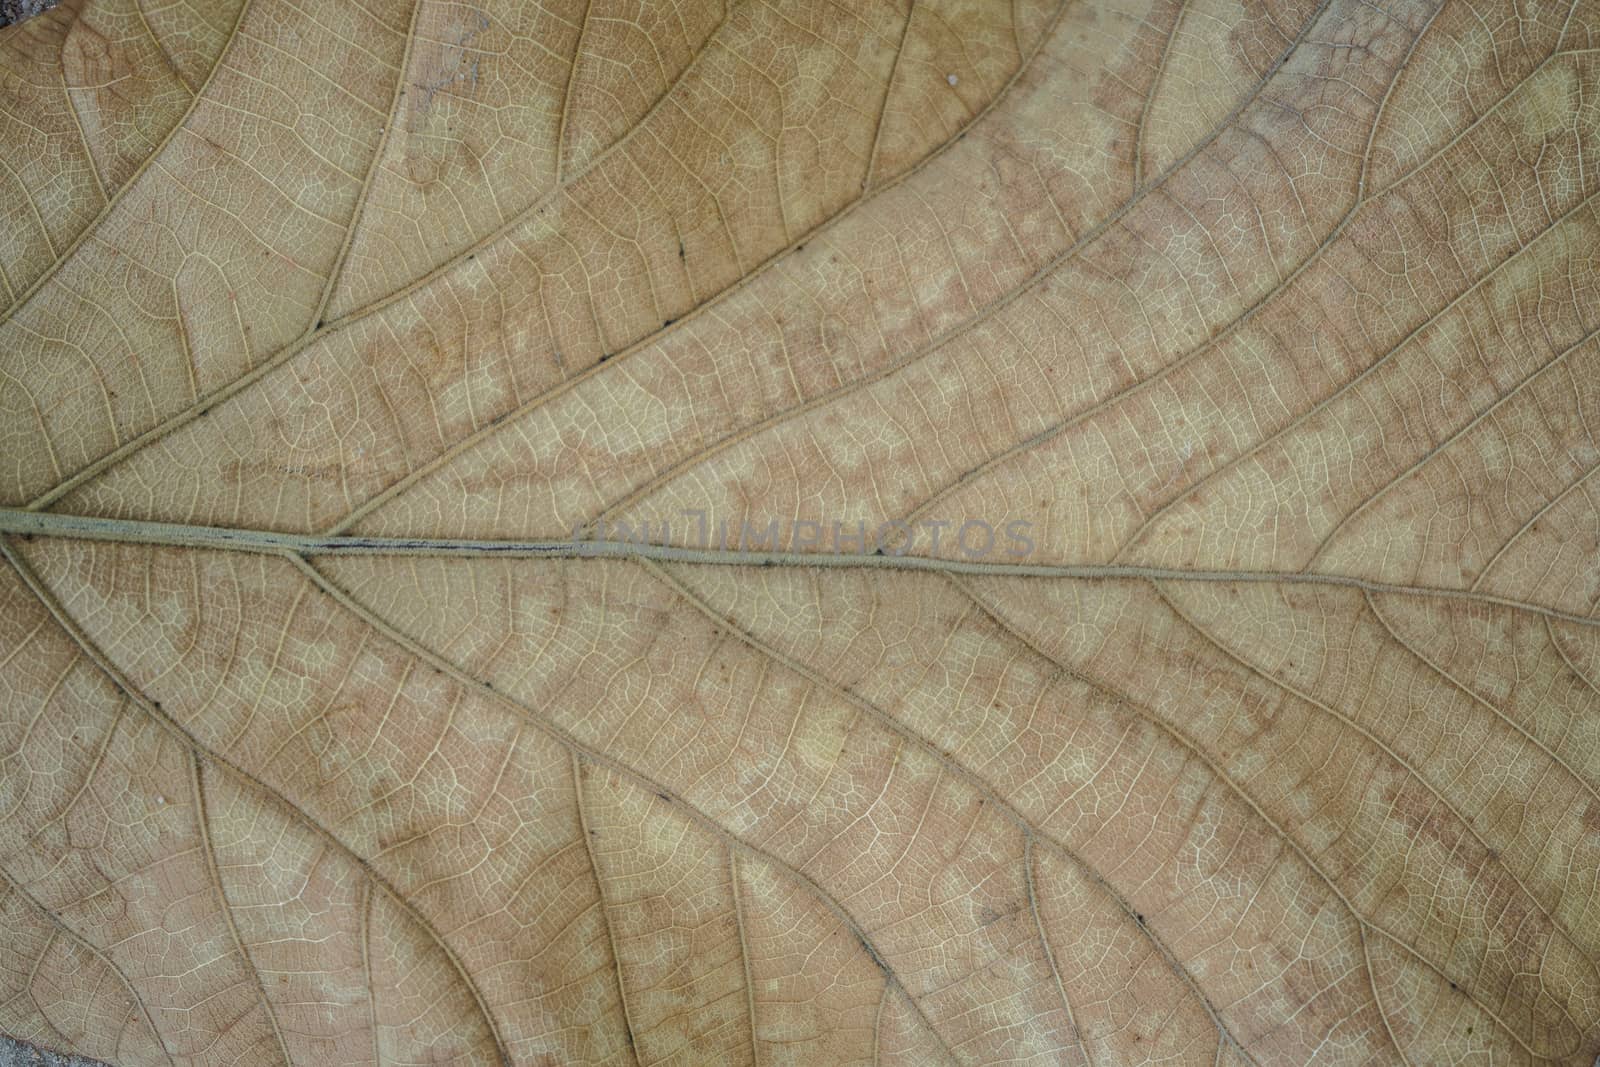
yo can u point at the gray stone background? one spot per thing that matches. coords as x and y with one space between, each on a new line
15 11
14 1053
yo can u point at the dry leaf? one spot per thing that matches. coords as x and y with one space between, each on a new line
1260 335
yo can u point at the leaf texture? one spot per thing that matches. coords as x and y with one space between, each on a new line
337 335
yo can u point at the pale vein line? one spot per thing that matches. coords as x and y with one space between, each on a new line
210 855
176 535
888 93
1236 326
1142 131
744 958
1330 538
566 95
599 758
1049 953
52 1032
600 902
92 226
166 56
946 764
83 138
1467 691
1182 739
707 306
66 808
1007 628
992 312
366 971
294 348
1555 641
110 964
1349 386
1366 955
877 1026
33 206
1549 505
1349 722
391 120
125 686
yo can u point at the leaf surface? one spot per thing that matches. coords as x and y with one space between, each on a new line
335 727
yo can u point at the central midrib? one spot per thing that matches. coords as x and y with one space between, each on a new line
17 521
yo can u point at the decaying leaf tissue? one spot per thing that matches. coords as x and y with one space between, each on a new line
801 532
